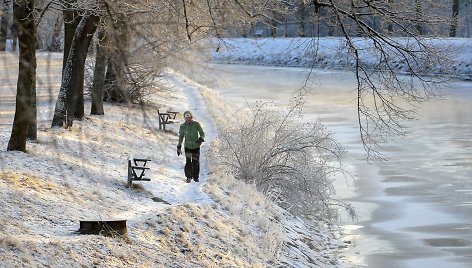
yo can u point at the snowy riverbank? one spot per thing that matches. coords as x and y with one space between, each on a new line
331 53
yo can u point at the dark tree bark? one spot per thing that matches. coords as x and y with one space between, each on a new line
71 92
14 37
454 20
419 17
71 21
332 23
99 75
4 25
273 26
82 50
24 23
389 23
55 45
33 126
115 77
114 80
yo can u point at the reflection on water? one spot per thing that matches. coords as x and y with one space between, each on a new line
447 242
414 210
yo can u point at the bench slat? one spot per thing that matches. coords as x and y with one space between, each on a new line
142 179
141 159
141 168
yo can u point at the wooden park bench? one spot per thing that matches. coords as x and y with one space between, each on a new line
166 118
136 170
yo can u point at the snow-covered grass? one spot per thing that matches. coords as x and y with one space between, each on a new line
80 173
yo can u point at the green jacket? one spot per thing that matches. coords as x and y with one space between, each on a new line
191 132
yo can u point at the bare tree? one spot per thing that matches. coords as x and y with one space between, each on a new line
25 24
385 98
163 30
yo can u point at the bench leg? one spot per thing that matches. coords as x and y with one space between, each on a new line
130 175
128 184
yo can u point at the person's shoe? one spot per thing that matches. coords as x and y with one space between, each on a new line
189 180
196 180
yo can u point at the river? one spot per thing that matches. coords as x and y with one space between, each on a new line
414 210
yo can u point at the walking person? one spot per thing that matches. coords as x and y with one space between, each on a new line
191 131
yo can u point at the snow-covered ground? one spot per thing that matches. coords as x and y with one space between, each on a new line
80 173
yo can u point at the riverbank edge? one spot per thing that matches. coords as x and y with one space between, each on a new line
331 53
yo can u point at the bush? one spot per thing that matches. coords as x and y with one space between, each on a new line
290 161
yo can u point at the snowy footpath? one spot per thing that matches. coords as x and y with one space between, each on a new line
80 173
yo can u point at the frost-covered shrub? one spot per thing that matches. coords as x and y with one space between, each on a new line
289 160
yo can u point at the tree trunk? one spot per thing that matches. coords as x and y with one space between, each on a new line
114 80
115 77
82 51
24 23
71 21
273 27
331 24
14 37
99 75
33 126
454 20
73 74
55 45
390 24
302 21
4 25
419 17
468 18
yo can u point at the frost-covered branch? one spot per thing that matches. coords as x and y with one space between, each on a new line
396 35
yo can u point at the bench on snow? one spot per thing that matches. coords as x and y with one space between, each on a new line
136 170
166 118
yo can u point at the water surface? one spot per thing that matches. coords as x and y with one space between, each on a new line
414 210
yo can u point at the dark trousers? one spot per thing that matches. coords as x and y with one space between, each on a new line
192 163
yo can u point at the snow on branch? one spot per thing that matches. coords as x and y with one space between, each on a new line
289 160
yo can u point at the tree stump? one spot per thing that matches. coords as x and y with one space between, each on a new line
105 228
